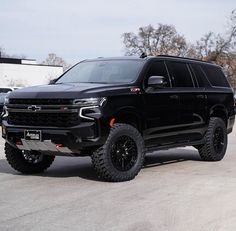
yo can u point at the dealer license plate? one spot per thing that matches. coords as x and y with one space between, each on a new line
33 135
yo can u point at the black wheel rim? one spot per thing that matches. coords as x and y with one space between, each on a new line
124 153
218 140
32 157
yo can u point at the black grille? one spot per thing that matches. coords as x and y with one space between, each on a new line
43 119
41 101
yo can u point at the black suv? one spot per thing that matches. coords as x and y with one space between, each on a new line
116 110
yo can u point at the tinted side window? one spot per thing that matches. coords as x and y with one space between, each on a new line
200 76
181 74
158 68
216 76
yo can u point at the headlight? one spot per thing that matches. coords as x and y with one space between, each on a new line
4 112
90 102
6 101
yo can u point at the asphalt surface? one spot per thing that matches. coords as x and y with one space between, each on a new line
174 191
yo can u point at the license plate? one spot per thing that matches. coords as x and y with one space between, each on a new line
33 135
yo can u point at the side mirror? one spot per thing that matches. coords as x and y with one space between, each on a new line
156 81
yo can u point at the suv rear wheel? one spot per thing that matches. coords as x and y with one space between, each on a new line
122 156
216 141
27 162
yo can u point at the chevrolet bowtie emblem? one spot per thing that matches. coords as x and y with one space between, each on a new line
34 108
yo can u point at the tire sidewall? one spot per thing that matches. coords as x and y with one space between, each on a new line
219 123
17 161
137 138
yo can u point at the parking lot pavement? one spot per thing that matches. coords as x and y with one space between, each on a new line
174 191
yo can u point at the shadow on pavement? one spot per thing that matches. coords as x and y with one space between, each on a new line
82 166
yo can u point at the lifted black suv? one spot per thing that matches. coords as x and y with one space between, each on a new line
118 109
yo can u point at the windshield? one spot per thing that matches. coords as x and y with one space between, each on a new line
111 71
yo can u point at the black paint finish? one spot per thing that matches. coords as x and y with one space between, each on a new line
166 117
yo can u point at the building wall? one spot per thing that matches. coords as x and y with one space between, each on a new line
27 74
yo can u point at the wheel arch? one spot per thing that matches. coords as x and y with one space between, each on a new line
221 112
130 116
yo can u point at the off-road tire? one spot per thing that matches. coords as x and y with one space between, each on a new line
207 151
102 160
17 161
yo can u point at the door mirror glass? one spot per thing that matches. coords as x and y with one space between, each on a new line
156 81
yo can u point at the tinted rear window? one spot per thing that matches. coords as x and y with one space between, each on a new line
216 76
181 74
200 76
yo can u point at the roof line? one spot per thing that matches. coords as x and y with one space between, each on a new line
178 57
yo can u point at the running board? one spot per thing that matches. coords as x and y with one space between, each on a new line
175 145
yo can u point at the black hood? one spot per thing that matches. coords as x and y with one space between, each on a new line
70 90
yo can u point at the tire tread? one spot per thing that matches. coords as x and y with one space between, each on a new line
16 160
99 158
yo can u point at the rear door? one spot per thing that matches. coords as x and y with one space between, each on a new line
192 101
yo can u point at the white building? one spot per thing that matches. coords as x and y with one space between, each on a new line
26 72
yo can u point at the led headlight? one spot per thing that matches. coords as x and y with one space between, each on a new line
4 112
87 102
89 107
6 101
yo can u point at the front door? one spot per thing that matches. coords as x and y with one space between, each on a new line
161 108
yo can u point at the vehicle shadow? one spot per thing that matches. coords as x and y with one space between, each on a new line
170 157
82 167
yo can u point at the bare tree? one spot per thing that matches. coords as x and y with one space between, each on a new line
220 48
6 55
55 60
154 41
2 52
16 82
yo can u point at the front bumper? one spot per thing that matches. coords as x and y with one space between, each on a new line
75 140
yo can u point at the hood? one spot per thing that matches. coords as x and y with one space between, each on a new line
70 90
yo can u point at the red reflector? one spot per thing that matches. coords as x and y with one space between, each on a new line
112 121
18 143
59 145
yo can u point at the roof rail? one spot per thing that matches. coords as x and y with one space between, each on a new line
172 56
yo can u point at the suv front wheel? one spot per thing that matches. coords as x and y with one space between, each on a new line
122 156
215 141
27 162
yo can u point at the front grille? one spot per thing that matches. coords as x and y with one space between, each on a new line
43 119
41 101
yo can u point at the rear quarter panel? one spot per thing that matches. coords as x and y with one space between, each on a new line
221 100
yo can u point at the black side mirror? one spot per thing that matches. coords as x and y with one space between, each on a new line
156 81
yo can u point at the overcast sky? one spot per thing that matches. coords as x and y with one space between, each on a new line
76 29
